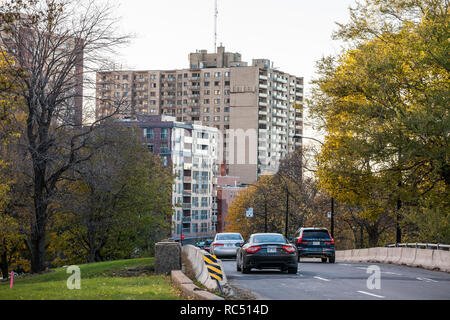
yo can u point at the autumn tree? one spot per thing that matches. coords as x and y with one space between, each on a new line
114 202
57 46
383 104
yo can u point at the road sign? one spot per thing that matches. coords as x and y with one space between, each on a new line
249 212
214 270
328 214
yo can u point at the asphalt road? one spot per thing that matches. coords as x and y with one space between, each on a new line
348 281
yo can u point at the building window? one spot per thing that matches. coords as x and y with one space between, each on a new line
207 75
148 133
164 133
164 148
194 228
204 227
206 84
194 201
150 147
205 201
217 92
204 214
217 74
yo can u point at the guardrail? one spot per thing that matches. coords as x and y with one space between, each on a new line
434 246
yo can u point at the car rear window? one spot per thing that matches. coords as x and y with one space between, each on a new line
315 234
229 237
269 238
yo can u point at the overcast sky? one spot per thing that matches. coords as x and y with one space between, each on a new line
294 34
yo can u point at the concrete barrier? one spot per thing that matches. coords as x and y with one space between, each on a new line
195 256
394 255
372 255
363 255
441 260
408 256
382 253
189 289
424 258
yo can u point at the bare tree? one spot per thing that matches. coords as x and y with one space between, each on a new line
56 46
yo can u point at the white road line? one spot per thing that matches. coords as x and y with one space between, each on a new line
323 279
371 294
426 279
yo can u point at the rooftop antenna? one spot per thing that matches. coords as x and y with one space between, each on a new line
216 13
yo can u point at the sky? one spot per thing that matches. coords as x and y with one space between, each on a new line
294 34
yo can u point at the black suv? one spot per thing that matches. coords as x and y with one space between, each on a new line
315 243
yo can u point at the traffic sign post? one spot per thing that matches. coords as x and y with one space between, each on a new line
249 212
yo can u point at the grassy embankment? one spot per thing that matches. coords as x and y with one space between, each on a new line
122 279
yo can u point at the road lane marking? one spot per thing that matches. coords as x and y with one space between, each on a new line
371 294
426 279
323 279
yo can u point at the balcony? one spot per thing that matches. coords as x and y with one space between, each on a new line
170 79
187 205
194 104
194 87
194 95
194 78
263 77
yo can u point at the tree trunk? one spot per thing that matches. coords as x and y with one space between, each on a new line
4 262
373 236
38 233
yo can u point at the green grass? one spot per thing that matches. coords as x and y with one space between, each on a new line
99 281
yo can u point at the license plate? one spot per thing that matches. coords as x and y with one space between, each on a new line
230 245
271 249
316 243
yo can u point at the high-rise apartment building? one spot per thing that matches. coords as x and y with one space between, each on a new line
191 151
256 108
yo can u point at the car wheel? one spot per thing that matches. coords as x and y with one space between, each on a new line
292 270
332 259
324 260
238 267
244 268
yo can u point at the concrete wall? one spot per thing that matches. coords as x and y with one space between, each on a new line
423 258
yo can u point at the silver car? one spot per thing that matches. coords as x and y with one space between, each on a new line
226 244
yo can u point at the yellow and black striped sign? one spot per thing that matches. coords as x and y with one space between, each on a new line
213 267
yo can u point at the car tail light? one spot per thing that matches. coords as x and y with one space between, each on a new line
300 240
217 244
253 249
330 242
289 249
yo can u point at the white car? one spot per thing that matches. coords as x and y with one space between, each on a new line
226 244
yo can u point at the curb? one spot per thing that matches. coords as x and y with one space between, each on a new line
190 289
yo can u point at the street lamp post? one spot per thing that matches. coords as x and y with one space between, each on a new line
332 199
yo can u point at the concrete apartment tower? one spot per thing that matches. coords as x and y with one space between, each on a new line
256 108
